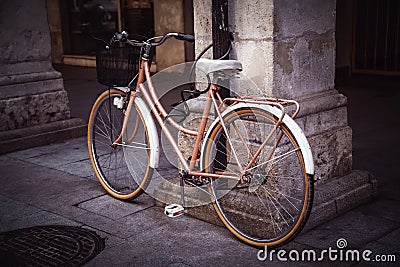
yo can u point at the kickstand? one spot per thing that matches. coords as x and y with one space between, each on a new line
182 185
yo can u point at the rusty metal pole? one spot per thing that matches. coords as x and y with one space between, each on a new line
220 31
220 39
220 34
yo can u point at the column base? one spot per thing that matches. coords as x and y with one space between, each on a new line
42 134
35 111
32 99
332 198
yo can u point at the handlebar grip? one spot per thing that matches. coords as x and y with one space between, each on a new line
185 37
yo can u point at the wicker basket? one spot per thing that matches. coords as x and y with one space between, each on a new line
116 66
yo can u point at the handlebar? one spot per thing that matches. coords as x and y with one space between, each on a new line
185 37
123 37
149 43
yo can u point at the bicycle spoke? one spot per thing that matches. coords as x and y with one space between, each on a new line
277 225
266 204
242 139
283 156
117 177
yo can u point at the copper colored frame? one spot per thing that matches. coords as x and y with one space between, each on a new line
212 96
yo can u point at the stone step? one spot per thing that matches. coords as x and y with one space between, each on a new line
42 134
331 199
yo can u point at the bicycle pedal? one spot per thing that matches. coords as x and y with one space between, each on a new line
174 210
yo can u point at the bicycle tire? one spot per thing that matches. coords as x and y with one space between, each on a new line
258 213
116 172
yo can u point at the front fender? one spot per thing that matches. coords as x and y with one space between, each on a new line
151 131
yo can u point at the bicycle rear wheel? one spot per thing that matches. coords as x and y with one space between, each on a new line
123 170
273 205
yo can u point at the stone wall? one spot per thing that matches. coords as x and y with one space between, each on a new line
304 69
304 47
288 49
33 109
54 18
31 91
169 17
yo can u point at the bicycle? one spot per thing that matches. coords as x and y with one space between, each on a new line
254 160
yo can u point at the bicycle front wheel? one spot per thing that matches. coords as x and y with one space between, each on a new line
123 169
272 202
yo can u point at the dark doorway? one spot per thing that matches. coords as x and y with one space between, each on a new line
376 37
367 74
368 37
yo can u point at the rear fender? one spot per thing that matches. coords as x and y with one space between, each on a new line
287 120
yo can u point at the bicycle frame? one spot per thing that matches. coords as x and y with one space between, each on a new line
248 158
212 96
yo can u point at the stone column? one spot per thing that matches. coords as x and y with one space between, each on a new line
304 69
33 101
168 16
288 49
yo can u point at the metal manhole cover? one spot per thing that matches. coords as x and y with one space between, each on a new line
53 245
